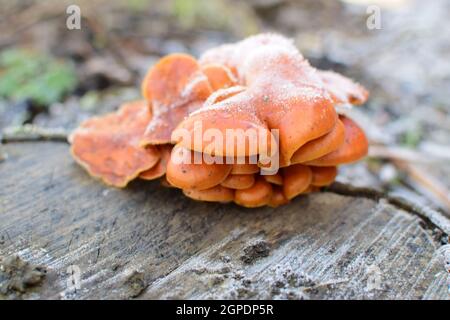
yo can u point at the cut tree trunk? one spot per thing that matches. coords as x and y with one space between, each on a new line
65 235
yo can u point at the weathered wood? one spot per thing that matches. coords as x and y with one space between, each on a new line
151 242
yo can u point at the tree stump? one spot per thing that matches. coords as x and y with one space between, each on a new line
64 235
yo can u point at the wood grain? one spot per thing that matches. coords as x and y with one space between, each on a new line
151 242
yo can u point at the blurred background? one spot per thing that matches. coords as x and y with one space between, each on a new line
53 77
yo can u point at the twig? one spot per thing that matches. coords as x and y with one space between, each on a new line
431 217
427 182
30 132
406 154
409 161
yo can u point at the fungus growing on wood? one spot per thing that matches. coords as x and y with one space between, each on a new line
239 181
342 89
258 195
278 198
183 172
321 146
355 147
245 168
175 86
159 169
274 179
261 89
282 91
108 146
323 176
219 77
223 94
297 179
215 194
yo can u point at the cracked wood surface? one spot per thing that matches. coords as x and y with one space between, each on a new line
151 242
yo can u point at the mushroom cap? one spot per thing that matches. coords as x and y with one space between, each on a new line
277 198
355 147
274 179
175 86
108 146
301 116
223 94
342 89
185 171
235 55
239 181
297 179
214 194
219 76
282 92
323 176
238 132
321 146
245 168
159 169
258 195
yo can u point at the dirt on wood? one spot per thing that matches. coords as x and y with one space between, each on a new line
17 277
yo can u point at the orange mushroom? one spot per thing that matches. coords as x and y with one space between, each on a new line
278 198
323 176
239 181
342 89
215 194
239 131
264 91
354 147
160 168
219 76
244 168
320 146
283 92
258 195
108 146
297 179
175 86
184 171
223 94
274 179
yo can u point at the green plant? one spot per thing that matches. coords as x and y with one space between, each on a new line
29 75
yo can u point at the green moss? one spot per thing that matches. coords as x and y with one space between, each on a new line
29 75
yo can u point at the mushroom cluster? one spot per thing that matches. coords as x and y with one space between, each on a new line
179 132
